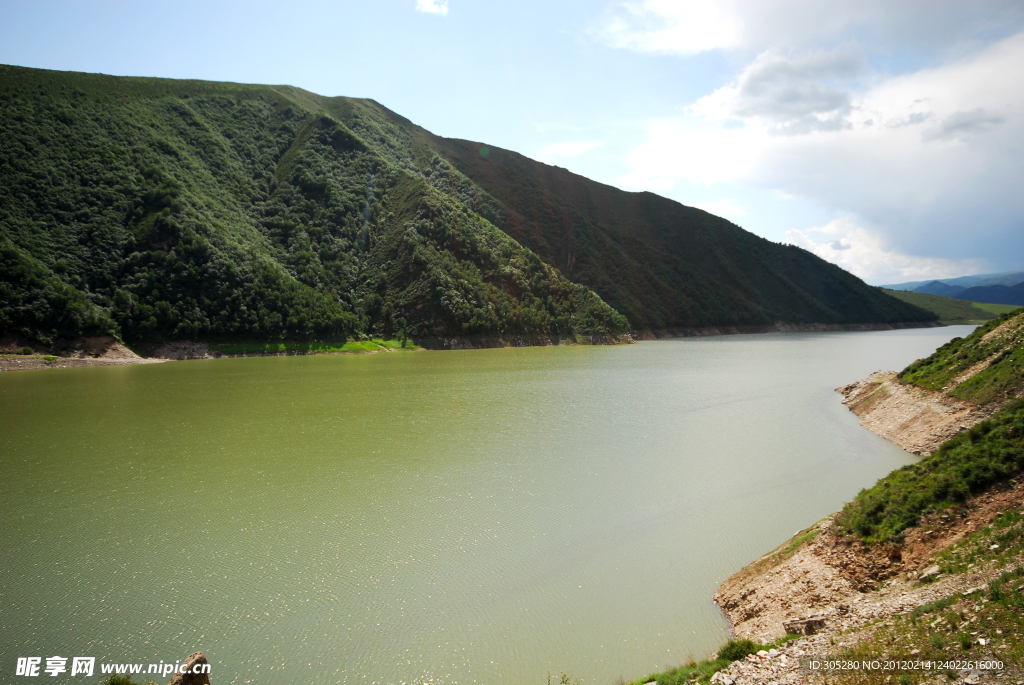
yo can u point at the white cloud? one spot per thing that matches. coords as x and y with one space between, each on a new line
930 159
432 6
727 208
569 149
866 254
962 125
791 95
686 27
670 26
683 149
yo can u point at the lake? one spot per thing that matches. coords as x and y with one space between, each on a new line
478 516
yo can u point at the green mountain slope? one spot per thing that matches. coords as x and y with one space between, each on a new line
660 263
950 310
992 355
159 209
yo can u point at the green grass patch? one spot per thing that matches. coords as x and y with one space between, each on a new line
950 310
934 606
1004 352
998 542
701 671
997 309
375 345
990 452
797 541
948 629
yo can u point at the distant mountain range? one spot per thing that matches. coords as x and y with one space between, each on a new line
1002 288
157 209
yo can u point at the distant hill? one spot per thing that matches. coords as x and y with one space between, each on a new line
995 294
950 310
158 209
1004 278
940 288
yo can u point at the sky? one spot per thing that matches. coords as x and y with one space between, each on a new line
886 137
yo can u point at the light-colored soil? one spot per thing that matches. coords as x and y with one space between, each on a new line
916 419
832 573
847 585
98 351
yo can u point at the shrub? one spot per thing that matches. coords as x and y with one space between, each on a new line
734 650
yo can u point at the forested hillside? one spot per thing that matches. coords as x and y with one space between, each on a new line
157 209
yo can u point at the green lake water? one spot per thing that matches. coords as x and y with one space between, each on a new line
480 516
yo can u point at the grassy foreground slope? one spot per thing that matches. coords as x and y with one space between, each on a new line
985 368
158 209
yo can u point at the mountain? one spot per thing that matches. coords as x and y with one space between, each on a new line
950 310
940 288
1004 278
158 209
995 294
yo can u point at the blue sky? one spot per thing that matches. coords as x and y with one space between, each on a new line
885 137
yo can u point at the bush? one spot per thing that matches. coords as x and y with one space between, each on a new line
734 650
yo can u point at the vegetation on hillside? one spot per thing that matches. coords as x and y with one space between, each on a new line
158 209
985 623
965 465
661 264
701 671
997 349
988 453
950 311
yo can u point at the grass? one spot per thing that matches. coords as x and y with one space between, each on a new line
990 452
951 628
997 309
1007 534
950 310
701 671
1002 353
340 347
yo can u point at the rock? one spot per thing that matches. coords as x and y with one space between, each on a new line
762 653
929 572
190 678
804 626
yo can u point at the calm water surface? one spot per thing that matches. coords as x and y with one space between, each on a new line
449 517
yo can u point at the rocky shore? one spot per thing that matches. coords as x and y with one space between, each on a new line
839 592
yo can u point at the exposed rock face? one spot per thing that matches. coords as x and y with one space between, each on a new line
916 419
95 351
190 678
183 349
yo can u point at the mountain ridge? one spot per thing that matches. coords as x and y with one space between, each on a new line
157 209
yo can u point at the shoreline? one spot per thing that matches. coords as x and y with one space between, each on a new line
108 351
829 592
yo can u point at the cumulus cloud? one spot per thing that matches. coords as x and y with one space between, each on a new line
931 158
961 125
432 6
670 26
792 95
865 254
687 27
